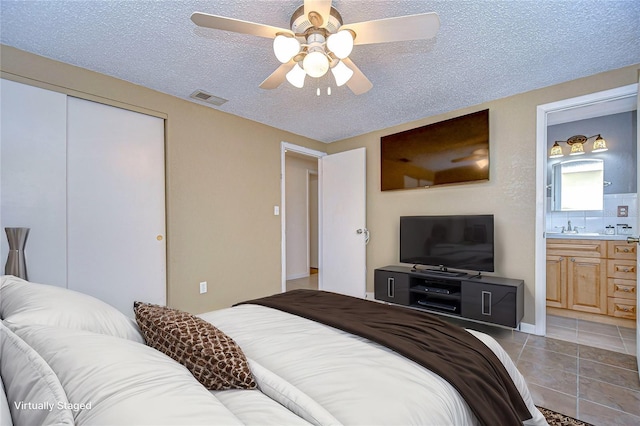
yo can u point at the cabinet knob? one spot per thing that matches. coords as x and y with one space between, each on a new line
573 259
626 250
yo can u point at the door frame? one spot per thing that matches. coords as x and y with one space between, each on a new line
284 147
311 173
543 111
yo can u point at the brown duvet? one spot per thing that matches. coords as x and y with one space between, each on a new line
447 350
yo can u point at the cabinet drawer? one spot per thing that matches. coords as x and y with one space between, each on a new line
581 248
621 269
622 308
621 250
624 289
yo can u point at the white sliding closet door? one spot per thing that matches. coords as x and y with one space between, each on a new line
115 204
33 125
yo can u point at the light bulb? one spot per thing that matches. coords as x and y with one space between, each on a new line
296 76
341 73
285 48
315 64
341 43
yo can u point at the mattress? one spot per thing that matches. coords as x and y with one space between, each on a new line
354 380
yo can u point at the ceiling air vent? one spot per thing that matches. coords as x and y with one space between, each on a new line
207 97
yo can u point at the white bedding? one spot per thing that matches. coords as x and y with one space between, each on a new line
358 382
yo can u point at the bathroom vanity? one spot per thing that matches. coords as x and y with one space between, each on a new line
594 274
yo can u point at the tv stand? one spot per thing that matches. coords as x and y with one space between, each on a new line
439 272
493 300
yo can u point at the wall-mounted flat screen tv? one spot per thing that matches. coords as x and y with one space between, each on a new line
442 242
449 152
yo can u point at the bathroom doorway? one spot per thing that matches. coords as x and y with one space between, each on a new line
600 330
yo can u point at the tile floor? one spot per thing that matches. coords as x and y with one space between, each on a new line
596 385
604 336
565 371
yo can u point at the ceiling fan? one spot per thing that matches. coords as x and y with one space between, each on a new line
318 41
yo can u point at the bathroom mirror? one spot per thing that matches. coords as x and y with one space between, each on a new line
577 185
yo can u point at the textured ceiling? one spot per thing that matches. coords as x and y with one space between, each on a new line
484 50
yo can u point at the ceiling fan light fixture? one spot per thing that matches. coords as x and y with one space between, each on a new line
316 64
285 47
341 73
296 76
341 43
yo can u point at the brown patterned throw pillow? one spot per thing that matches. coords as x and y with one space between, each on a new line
213 358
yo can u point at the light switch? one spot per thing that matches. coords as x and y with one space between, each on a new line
203 287
276 210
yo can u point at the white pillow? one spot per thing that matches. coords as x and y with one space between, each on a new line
34 394
23 302
5 414
123 382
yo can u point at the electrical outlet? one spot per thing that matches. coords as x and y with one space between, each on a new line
623 211
203 287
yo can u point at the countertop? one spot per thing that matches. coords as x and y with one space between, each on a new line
586 236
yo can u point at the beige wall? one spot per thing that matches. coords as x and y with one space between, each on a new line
509 194
223 179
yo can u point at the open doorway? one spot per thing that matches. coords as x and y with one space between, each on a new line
560 313
300 212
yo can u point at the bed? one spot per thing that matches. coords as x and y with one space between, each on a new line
67 358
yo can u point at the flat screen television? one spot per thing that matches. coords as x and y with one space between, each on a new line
453 151
462 242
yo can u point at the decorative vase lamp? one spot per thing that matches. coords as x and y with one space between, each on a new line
16 264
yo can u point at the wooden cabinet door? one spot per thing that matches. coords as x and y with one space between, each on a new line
587 284
556 281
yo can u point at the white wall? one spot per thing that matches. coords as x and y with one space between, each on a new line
296 214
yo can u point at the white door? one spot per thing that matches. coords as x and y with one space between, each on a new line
638 231
33 137
116 206
343 223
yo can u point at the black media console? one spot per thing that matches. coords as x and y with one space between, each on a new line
483 298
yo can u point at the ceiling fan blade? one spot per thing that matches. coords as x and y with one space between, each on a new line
236 25
358 83
278 76
401 28
321 7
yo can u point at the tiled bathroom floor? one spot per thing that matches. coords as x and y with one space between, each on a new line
604 336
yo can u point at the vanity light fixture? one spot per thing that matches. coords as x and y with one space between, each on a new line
577 145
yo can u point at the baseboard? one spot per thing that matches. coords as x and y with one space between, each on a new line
369 295
527 328
296 276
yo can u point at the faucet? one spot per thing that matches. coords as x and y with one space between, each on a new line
570 229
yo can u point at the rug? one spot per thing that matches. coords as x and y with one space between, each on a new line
558 419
